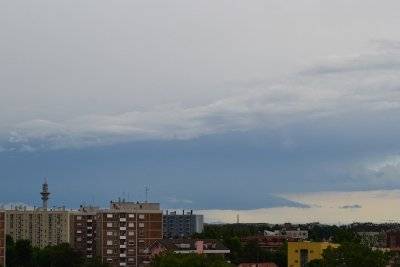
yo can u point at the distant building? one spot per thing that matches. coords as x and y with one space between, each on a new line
125 230
83 230
42 226
182 225
301 253
2 239
373 239
299 234
295 234
187 246
270 243
393 239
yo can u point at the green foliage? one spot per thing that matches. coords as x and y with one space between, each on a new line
337 234
22 254
315 263
189 260
352 255
96 262
230 235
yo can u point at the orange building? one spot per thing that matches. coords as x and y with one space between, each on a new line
125 231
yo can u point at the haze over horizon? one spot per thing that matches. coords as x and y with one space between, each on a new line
218 105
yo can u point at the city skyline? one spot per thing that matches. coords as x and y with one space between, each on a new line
230 106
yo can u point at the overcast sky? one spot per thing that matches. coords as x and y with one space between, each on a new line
242 100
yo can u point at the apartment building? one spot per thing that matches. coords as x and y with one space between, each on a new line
83 230
182 225
125 231
41 227
2 239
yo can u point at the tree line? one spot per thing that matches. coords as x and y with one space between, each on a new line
22 254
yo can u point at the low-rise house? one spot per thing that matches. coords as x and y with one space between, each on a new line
270 243
296 234
187 246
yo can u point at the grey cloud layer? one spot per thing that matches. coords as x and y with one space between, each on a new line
350 86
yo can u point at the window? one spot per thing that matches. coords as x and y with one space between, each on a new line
109 215
131 215
131 233
141 216
109 242
78 231
109 224
109 233
141 225
109 251
79 217
131 224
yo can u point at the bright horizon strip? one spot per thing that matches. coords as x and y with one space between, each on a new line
378 206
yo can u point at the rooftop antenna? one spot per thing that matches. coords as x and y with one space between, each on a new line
45 194
147 189
237 219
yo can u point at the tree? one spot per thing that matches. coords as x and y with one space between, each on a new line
189 260
352 255
23 252
62 255
96 262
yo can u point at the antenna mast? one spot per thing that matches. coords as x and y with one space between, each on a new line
147 189
45 194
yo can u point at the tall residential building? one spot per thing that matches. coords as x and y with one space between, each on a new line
301 253
182 225
42 226
83 230
125 231
2 239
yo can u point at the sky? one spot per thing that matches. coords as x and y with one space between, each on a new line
215 105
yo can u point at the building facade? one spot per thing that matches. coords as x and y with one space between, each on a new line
294 234
393 239
182 225
188 246
2 238
301 253
125 231
41 227
83 231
